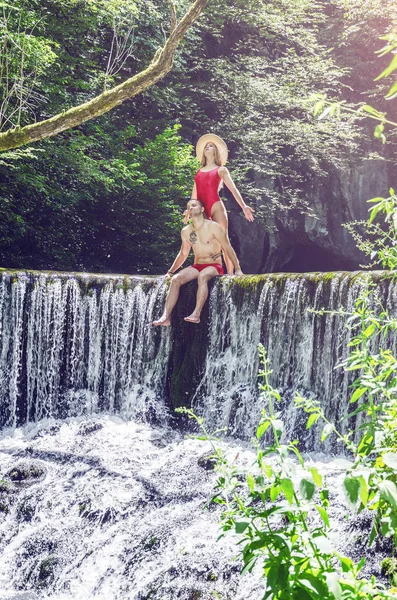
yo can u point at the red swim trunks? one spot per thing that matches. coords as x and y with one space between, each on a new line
217 266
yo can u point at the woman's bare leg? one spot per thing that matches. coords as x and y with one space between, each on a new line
219 215
177 281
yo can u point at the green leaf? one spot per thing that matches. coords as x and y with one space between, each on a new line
388 492
312 419
317 478
288 489
274 492
392 93
371 111
358 393
369 330
278 426
251 482
314 584
241 526
318 107
364 491
378 200
389 69
372 535
347 563
328 429
307 489
262 428
390 459
352 489
378 131
277 576
361 563
327 111
323 514
333 584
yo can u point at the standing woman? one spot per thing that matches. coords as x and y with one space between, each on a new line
212 153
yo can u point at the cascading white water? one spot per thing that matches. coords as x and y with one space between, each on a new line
114 510
73 345
79 344
304 349
111 509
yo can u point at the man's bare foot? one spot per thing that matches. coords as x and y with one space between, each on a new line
193 318
164 321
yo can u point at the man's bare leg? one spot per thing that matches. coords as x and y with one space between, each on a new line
202 293
177 281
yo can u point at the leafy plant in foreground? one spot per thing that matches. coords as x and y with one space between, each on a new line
280 510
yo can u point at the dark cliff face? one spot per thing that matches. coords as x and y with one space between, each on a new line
300 243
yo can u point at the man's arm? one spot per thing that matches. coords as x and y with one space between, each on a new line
223 239
181 256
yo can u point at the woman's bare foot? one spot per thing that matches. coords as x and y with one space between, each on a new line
193 318
164 321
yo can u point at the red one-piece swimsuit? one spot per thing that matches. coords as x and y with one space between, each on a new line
207 186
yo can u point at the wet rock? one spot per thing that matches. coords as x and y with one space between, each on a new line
88 427
52 430
101 516
298 242
4 486
26 472
46 571
109 515
25 510
207 461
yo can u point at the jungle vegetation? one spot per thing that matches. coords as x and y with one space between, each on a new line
108 195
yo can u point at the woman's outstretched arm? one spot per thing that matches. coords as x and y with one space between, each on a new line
247 210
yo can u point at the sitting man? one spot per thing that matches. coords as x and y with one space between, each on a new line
207 239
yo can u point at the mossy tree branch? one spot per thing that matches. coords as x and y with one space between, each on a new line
160 65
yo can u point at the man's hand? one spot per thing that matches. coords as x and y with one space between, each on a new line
186 217
248 213
168 275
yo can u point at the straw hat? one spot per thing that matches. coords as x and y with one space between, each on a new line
215 139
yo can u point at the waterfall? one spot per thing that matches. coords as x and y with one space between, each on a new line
304 348
73 344
98 506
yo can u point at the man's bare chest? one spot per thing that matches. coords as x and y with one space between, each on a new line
202 238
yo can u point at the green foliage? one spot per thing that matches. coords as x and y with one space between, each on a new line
243 72
384 13
378 240
261 61
97 205
270 507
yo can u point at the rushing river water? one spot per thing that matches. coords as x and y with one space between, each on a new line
115 511
112 504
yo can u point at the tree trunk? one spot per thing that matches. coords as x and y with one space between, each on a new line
159 67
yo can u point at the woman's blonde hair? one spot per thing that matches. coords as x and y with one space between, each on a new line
217 157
